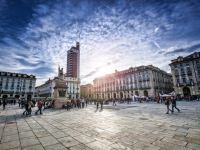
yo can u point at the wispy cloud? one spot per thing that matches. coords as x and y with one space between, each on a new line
122 33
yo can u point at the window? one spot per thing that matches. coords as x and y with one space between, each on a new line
177 80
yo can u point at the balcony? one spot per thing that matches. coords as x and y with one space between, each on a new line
144 87
7 92
185 84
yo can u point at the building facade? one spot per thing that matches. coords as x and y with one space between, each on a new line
73 62
47 89
140 81
87 91
17 85
186 74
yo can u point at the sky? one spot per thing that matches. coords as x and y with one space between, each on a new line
113 34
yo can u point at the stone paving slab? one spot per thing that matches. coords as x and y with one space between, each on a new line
126 126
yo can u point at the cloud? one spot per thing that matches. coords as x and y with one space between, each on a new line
189 49
114 34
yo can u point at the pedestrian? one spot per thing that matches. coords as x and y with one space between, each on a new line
4 103
39 104
68 105
114 102
11 101
174 104
147 99
167 103
30 104
26 108
19 101
86 103
97 103
101 102
83 102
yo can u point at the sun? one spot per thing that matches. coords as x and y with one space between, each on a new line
103 71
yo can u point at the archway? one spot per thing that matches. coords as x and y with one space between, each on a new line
5 96
103 96
70 96
17 96
145 93
186 91
121 95
115 96
136 93
97 96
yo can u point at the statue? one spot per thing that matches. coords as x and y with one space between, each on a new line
60 73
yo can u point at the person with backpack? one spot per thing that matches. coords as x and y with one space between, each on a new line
39 104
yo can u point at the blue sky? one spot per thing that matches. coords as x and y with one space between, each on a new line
114 34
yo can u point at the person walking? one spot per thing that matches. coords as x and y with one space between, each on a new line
97 103
68 105
174 104
4 103
26 107
114 102
19 101
30 104
86 101
39 104
101 102
167 103
83 102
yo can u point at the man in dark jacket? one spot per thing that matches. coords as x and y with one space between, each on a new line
174 104
4 103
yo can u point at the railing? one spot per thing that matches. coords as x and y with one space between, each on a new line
185 84
144 87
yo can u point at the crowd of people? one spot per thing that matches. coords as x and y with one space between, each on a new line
81 103
75 103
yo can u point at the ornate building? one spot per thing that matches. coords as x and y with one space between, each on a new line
141 81
17 85
186 74
87 91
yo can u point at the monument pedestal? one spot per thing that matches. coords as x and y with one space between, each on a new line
60 93
59 102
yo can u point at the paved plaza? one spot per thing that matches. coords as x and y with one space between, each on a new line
125 126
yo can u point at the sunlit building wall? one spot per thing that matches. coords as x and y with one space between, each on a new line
141 81
87 91
186 74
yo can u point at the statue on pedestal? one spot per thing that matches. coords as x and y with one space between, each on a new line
60 90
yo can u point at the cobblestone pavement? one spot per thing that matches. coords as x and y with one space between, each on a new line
125 126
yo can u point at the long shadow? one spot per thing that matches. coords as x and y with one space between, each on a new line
96 110
101 110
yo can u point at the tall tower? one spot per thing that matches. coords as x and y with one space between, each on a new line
73 61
